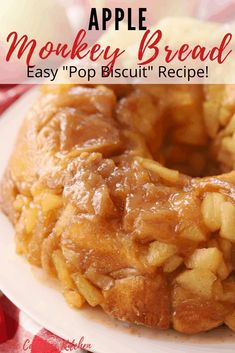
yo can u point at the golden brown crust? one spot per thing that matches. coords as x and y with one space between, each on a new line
139 300
192 314
92 204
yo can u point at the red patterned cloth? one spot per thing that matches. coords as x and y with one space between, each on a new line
18 333
9 93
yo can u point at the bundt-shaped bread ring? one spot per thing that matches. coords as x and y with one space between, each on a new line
127 195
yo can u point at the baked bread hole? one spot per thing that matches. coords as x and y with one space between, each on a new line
187 128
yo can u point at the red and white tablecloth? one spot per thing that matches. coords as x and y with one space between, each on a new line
18 333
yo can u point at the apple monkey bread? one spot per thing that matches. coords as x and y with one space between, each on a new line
127 195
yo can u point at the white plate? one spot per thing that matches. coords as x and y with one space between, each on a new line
38 296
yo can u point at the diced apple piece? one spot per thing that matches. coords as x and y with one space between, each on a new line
65 218
62 270
50 202
228 221
73 298
207 259
100 280
92 295
211 210
210 113
193 233
159 252
198 281
31 215
70 291
172 264
20 202
163 172
223 271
